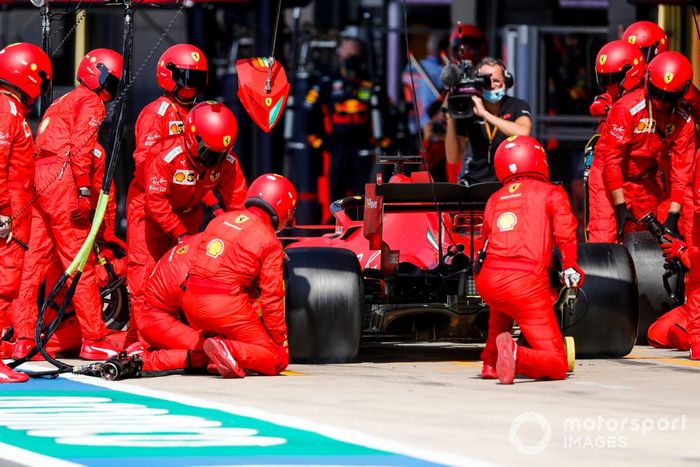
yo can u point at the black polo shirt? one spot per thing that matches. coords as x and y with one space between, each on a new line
484 138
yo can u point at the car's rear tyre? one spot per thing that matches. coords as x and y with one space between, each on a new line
605 316
654 301
324 304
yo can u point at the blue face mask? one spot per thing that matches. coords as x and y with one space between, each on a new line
495 95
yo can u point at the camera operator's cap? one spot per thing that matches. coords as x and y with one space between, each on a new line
518 156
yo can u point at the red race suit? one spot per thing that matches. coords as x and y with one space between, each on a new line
164 204
630 151
523 221
235 289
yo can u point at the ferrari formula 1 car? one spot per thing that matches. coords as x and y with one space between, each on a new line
405 272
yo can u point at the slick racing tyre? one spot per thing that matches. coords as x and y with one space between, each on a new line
654 301
324 304
604 317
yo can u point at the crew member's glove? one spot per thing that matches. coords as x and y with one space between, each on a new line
623 216
676 249
6 228
671 224
82 211
572 277
600 106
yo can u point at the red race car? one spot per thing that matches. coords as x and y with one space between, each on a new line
402 269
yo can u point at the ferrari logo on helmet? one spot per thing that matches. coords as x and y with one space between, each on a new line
33 67
506 221
632 39
668 77
182 250
602 59
241 219
511 138
635 61
513 187
215 248
268 101
195 56
227 140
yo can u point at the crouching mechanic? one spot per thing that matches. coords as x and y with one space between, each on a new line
235 287
168 342
523 221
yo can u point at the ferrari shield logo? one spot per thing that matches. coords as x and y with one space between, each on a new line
603 58
241 219
506 221
513 187
268 101
632 39
668 77
214 175
195 56
669 129
215 248
182 250
227 140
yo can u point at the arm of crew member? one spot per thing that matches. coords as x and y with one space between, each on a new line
520 127
455 145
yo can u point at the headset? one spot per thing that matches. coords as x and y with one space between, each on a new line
509 79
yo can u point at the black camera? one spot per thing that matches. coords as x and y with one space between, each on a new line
463 82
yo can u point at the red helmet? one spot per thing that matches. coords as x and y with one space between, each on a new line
619 63
668 76
25 68
648 36
472 38
210 131
520 155
182 71
275 195
100 71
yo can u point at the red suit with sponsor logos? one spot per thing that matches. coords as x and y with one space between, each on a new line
523 221
65 142
630 149
162 119
235 288
172 344
16 190
164 204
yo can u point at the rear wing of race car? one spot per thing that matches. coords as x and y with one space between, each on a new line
416 197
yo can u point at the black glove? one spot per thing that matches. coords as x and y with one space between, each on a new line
671 224
623 216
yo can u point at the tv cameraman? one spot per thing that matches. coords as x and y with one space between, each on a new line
496 117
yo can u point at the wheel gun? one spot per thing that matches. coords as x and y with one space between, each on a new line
674 266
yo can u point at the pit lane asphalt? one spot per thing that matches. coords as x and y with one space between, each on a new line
640 410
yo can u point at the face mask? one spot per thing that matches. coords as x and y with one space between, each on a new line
495 95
